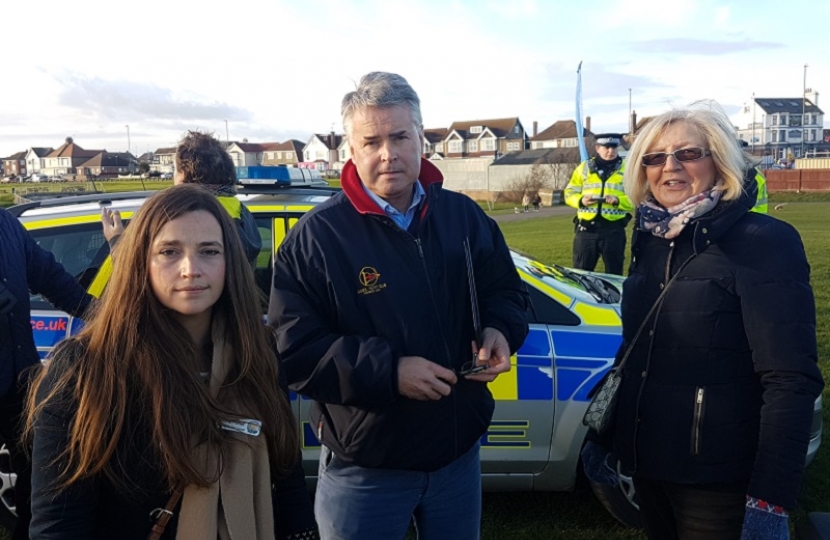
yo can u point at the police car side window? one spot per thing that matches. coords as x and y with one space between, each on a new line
543 309
79 248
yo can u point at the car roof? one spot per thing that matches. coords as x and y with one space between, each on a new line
69 205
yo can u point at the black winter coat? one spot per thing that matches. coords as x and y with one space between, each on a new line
25 267
720 386
353 292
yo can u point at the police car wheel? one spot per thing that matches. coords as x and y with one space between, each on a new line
619 500
8 514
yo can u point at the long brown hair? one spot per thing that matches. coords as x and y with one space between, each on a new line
134 355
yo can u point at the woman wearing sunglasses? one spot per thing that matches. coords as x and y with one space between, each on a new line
716 401
168 402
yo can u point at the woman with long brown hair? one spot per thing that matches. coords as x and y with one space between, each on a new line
172 386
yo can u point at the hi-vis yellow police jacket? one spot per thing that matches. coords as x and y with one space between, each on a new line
762 202
586 182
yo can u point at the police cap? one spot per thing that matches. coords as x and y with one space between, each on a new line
608 139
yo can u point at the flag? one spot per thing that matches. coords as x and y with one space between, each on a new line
583 152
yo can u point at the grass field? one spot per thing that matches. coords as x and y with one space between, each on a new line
7 191
577 515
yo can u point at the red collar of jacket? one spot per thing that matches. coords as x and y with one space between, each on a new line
363 203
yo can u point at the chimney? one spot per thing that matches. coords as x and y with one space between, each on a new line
812 96
535 127
333 155
588 123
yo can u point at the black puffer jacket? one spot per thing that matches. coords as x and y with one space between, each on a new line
720 386
353 292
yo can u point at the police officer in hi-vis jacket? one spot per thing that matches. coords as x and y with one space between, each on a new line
603 209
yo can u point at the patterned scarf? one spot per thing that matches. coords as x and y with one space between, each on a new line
668 222
220 190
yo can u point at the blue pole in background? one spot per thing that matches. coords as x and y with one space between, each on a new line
583 152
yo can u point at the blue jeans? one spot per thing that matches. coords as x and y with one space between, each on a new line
356 503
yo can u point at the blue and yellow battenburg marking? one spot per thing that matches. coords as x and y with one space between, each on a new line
582 357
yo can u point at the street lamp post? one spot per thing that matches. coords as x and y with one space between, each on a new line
803 102
753 123
128 138
227 138
630 123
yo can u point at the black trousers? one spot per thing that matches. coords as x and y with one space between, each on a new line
691 512
594 240
11 424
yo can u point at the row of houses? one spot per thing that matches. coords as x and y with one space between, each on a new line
781 128
68 159
468 139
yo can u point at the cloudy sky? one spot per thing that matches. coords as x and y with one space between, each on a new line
277 69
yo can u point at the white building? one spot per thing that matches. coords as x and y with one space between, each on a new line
780 127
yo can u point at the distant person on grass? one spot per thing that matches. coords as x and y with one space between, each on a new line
202 159
602 207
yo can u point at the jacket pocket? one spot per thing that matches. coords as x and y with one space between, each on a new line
697 420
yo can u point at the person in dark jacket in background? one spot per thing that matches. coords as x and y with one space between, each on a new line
716 402
374 321
202 159
172 387
25 267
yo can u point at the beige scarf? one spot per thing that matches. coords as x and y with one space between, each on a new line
237 506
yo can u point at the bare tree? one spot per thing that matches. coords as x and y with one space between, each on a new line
538 177
560 166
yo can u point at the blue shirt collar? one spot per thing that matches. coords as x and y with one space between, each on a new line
403 220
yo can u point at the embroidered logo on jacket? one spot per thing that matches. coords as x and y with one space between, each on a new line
369 278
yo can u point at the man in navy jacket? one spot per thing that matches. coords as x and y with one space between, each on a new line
24 267
374 321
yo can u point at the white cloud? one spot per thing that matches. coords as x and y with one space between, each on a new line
279 68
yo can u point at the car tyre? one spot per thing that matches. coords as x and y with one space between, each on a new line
8 514
620 500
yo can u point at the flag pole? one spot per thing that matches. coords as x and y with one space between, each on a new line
580 132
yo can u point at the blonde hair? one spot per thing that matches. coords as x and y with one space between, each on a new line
711 122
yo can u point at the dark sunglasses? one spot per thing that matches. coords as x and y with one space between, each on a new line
684 154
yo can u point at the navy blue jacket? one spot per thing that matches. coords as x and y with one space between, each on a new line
25 267
353 292
720 386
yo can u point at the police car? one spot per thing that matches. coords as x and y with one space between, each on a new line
534 441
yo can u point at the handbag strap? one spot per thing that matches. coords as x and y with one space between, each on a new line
163 515
651 312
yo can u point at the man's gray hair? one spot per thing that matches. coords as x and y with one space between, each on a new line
380 89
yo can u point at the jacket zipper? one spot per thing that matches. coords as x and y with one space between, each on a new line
443 339
434 304
697 419
668 265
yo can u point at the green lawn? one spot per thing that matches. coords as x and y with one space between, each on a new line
110 186
577 515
